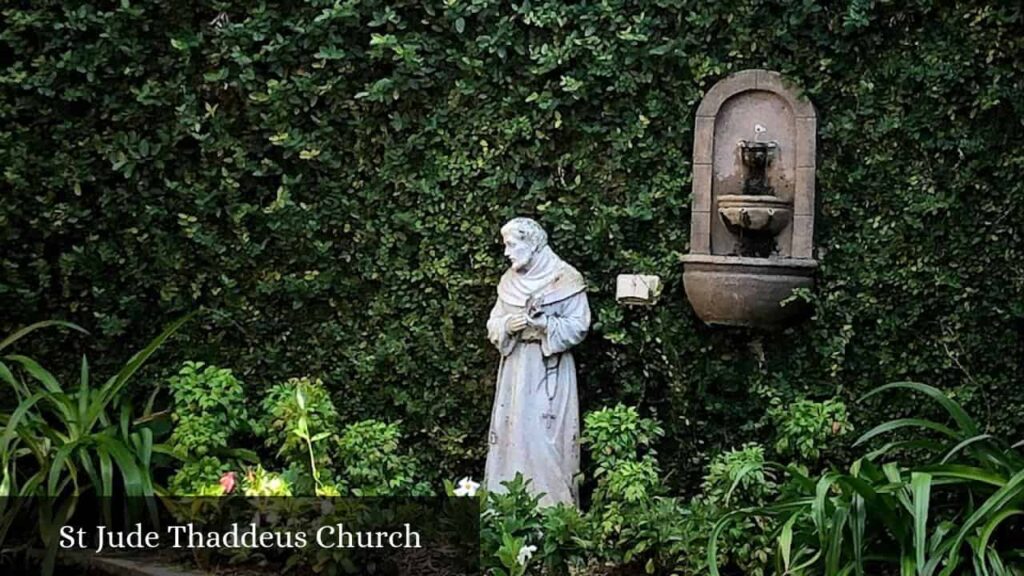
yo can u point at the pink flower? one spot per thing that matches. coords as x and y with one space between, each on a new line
227 482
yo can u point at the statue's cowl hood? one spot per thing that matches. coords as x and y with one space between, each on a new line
548 280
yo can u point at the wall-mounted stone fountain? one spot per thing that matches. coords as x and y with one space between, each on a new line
753 202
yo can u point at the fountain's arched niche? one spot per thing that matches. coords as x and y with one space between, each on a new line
753 202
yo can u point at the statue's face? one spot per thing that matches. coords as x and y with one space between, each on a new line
519 252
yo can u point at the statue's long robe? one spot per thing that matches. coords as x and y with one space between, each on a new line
535 424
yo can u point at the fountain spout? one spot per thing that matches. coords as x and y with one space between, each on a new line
757 156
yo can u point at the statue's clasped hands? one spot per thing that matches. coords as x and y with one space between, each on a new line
519 322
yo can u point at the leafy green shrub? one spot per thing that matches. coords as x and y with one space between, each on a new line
736 479
617 434
309 410
281 410
743 478
621 443
209 415
804 428
209 409
298 420
739 474
264 483
562 528
371 463
197 435
510 521
193 477
631 520
518 537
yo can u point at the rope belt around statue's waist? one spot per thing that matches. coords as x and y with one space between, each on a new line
551 364
530 336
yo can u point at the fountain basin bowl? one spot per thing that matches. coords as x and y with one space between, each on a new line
748 292
754 214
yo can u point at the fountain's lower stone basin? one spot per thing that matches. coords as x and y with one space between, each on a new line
741 291
758 214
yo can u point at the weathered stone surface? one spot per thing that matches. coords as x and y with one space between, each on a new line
126 567
637 289
763 214
737 291
724 89
803 196
775 82
123 566
540 314
701 187
703 140
752 224
806 131
700 233
803 233
749 116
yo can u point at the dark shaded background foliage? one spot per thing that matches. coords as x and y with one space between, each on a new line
329 178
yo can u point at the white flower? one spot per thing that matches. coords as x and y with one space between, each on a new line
466 487
220 20
525 553
275 485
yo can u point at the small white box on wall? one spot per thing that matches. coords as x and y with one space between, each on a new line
637 289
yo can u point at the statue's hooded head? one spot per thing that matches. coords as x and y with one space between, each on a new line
524 239
536 271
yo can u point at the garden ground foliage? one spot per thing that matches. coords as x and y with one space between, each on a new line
328 178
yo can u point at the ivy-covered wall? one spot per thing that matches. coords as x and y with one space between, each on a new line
328 178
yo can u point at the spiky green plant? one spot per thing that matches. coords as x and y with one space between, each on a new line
65 441
960 499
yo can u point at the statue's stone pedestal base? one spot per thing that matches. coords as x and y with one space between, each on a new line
739 291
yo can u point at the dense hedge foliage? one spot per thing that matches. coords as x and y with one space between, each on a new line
328 178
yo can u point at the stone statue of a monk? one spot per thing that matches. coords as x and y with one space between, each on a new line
540 314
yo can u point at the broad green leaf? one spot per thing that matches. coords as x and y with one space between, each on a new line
992 506
7 376
904 423
60 460
130 472
106 487
966 473
921 485
858 519
21 333
84 392
716 531
740 475
989 528
963 420
112 387
786 541
972 440
41 374
837 528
